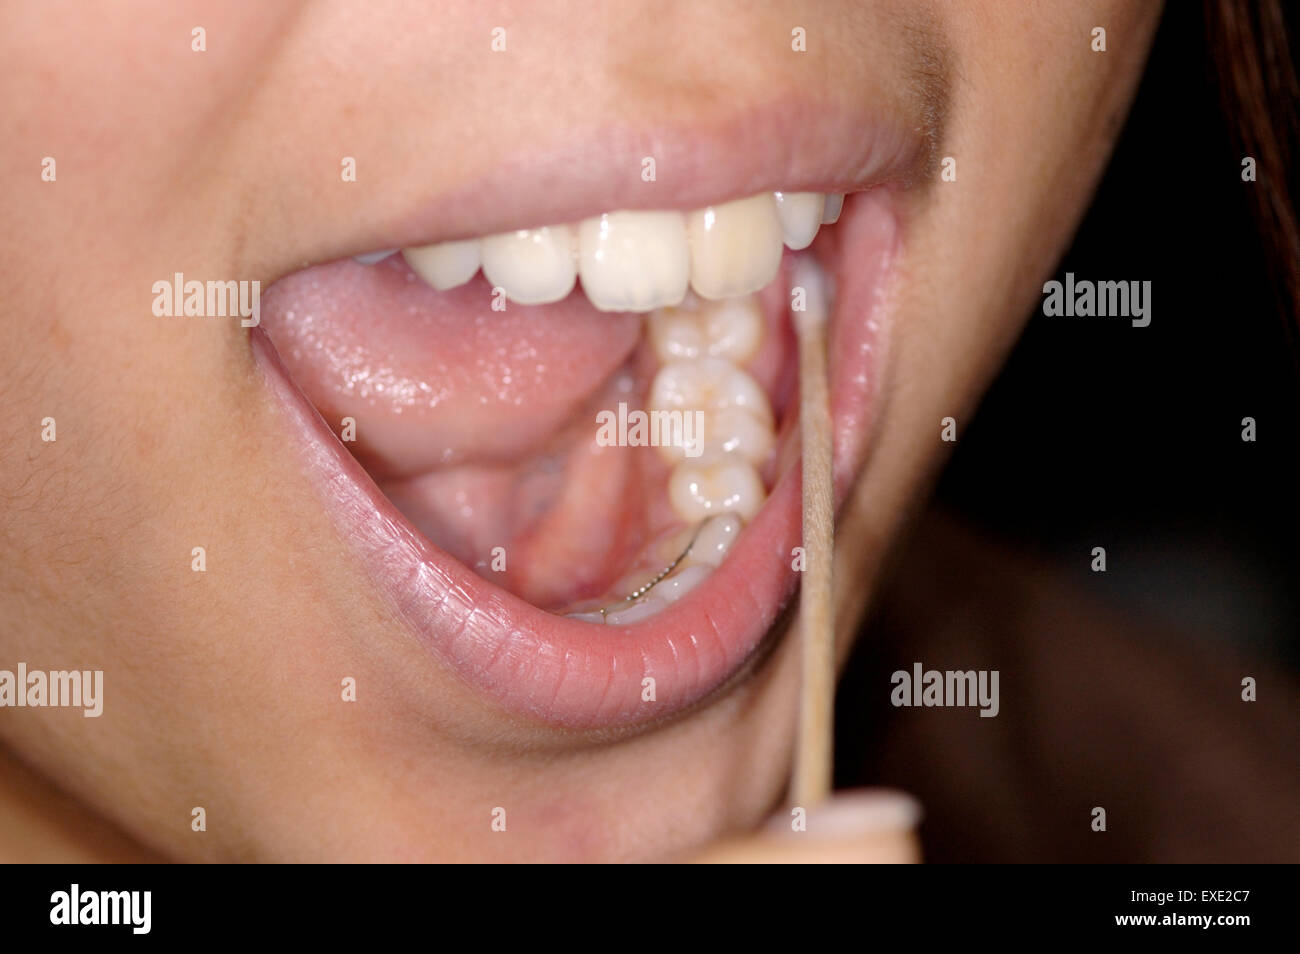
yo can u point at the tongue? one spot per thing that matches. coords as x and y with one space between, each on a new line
478 424
438 378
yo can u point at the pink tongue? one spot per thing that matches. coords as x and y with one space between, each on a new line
479 425
438 378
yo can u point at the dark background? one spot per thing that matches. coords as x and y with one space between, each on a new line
1101 434
1098 433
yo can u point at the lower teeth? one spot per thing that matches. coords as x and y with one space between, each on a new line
708 546
714 485
646 587
704 351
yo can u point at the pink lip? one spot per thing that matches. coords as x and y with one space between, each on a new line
796 145
761 151
576 674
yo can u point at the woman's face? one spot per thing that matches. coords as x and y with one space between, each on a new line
341 673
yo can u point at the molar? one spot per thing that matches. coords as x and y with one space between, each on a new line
722 485
707 384
731 329
736 416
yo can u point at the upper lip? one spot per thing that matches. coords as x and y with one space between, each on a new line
794 146
549 668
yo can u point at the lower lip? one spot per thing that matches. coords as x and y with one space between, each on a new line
578 675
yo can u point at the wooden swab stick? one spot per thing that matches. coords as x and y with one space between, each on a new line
812 767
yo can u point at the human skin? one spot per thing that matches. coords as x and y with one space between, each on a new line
222 687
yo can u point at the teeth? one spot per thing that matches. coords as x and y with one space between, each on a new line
699 344
676 335
735 431
673 546
734 329
801 216
726 485
371 258
736 416
634 261
663 594
670 589
834 205
646 606
534 266
730 329
446 264
735 246
673 588
708 384
714 542
637 261
651 261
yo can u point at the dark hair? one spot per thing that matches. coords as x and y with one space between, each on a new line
1260 94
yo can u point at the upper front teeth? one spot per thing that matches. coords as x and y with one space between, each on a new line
801 216
446 264
735 247
370 258
534 266
633 261
831 214
637 261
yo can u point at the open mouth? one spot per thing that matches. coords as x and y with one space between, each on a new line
568 454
